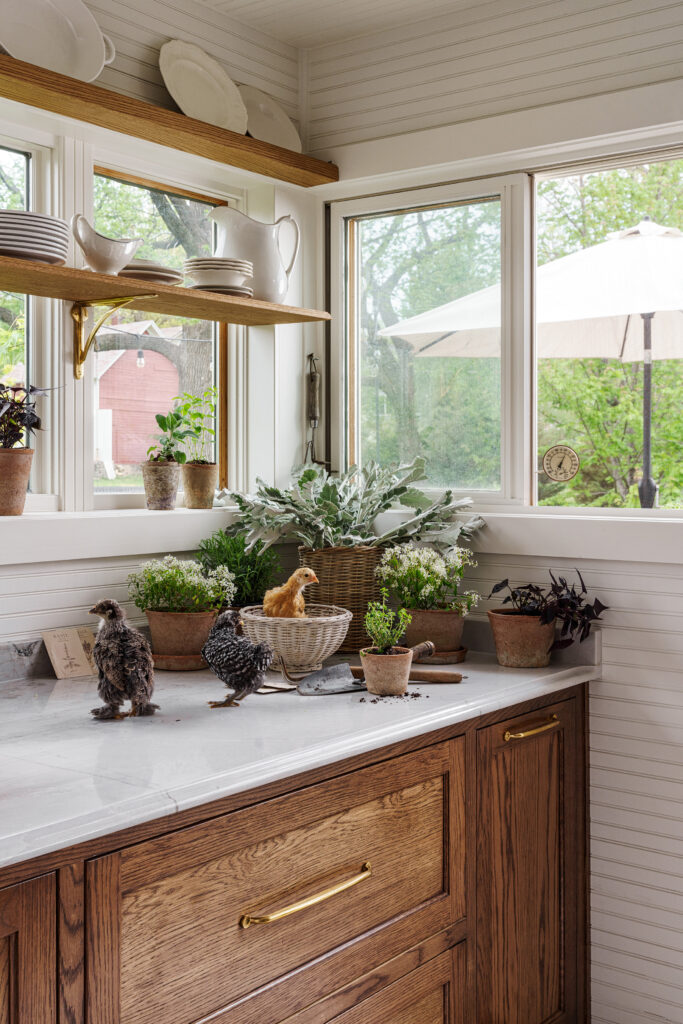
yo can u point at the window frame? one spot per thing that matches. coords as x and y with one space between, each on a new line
517 419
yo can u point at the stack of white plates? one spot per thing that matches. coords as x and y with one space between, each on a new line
148 270
33 236
213 274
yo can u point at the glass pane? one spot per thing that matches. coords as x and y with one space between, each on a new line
145 360
609 316
14 356
426 335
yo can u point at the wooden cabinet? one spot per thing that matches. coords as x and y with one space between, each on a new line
530 867
28 975
329 881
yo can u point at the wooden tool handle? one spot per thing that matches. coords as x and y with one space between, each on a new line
432 676
424 650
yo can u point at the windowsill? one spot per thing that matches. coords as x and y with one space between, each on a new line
609 535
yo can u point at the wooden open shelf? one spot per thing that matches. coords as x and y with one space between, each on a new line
38 87
83 286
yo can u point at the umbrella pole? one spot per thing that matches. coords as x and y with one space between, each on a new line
647 488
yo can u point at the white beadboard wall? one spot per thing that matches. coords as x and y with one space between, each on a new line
636 777
138 28
490 58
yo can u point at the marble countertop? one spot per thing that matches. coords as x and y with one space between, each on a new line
66 778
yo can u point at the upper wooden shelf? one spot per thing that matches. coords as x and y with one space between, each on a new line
38 87
83 286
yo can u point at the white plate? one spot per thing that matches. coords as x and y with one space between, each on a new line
32 223
149 275
151 265
34 257
246 293
61 35
218 263
38 235
201 87
221 278
39 245
267 121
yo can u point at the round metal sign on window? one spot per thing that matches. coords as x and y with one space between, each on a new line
561 463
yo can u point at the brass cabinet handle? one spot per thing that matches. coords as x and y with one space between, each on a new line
550 724
293 908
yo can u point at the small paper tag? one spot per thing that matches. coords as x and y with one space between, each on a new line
70 651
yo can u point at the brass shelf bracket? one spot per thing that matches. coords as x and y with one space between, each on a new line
79 315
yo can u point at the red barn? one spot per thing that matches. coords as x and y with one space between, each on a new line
135 394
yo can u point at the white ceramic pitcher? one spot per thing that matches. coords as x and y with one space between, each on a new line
242 238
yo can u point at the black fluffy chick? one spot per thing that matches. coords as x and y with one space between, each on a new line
237 662
124 663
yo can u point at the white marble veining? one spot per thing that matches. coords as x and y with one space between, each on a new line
66 778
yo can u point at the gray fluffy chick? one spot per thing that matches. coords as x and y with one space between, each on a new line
237 662
124 663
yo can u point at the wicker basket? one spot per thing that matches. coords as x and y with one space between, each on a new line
347 579
303 644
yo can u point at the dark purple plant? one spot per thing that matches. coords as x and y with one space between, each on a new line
560 601
18 416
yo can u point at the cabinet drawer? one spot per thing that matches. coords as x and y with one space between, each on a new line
368 864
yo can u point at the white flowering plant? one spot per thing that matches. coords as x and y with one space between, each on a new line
178 585
422 578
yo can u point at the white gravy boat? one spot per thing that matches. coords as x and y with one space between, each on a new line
104 255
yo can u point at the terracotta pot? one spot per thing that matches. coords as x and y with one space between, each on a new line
161 481
386 675
442 626
178 638
522 641
199 484
15 470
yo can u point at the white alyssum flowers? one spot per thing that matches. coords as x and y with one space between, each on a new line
421 577
178 585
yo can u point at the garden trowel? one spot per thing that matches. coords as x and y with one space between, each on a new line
344 678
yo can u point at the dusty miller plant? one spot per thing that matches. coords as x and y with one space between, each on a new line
320 510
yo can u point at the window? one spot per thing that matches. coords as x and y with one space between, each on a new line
609 336
421 386
14 348
143 361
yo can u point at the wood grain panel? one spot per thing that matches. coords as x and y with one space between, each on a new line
527 871
7 1010
103 941
28 952
38 87
71 944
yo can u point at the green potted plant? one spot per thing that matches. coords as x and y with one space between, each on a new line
334 520
524 634
426 583
181 604
253 570
161 472
385 664
200 475
18 420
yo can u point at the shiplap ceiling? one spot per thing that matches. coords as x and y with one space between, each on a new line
306 23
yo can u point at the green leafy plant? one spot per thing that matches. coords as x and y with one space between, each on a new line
320 510
175 585
422 578
384 626
199 414
561 601
253 570
170 443
18 416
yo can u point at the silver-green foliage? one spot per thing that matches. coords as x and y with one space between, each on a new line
320 510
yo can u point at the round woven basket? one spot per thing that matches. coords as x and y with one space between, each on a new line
302 644
347 578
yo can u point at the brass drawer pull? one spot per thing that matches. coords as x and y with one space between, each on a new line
293 908
550 724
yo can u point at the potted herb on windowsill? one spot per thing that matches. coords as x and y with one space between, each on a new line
426 583
200 475
524 634
385 664
254 570
18 420
334 520
181 604
161 473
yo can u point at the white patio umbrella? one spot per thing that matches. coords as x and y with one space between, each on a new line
620 299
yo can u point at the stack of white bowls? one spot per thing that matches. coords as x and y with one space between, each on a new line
34 236
213 274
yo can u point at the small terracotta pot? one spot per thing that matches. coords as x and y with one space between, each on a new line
386 675
161 481
199 484
522 641
15 470
442 626
179 635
